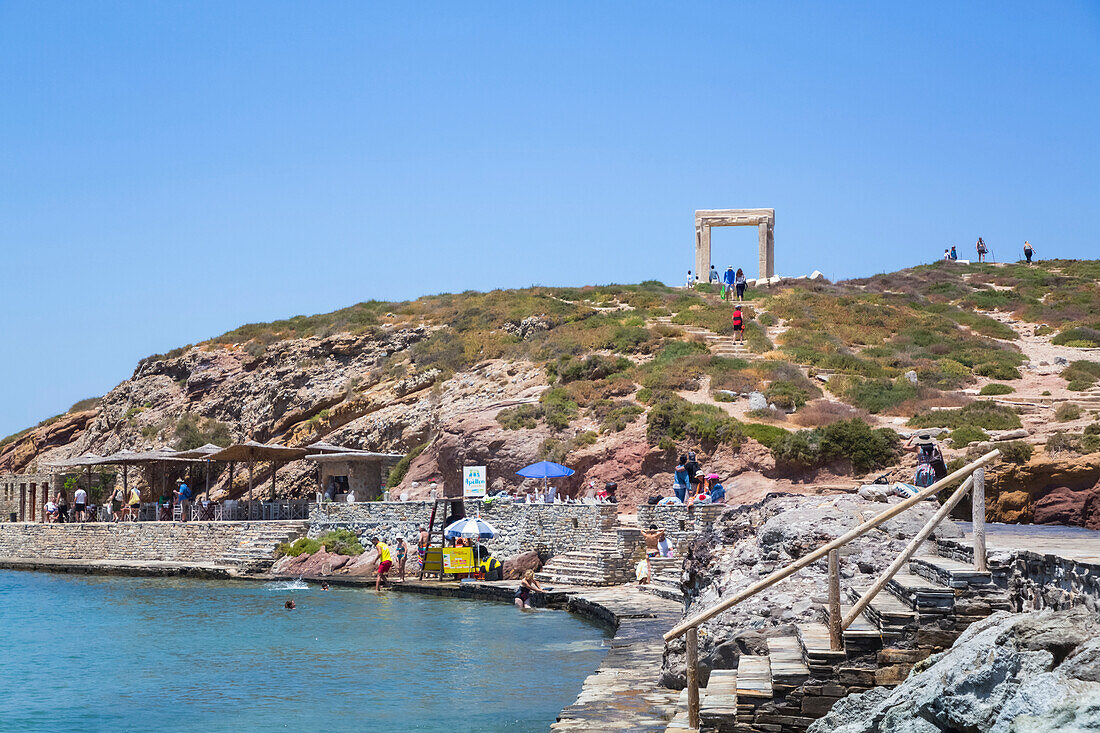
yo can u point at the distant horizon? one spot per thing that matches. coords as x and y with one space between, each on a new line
175 171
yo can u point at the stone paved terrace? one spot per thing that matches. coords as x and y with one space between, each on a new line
1072 543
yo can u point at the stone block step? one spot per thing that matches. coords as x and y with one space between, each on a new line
816 646
863 635
718 710
885 610
754 679
786 661
925 596
948 572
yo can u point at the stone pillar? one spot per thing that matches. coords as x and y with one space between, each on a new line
765 260
702 251
771 249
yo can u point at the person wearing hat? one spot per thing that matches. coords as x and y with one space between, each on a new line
183 498
738 324
930 463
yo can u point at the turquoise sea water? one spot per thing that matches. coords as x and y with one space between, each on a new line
88 653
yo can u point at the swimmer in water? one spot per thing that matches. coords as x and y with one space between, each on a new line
289 605
324 586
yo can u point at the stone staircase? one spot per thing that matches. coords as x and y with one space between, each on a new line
1088 399
718 344
608 561
664 574
922 610
256 550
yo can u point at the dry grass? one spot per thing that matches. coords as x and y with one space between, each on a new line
923 404
825 412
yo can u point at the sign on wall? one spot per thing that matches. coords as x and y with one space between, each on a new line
474 482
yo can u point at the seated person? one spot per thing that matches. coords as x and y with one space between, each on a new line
717 493
52 512
664 545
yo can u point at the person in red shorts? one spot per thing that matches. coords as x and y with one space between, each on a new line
385 561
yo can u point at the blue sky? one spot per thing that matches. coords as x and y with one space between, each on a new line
169 171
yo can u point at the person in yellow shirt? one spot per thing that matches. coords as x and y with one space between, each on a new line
385 560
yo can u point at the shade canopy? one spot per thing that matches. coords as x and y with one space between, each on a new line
253 451
88 459
471 528
323 446
202 452
545 469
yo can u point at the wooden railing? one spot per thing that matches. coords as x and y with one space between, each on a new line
974 474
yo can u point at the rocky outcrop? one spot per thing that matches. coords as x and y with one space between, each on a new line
517 565
750 541
1005 674
20 454
1046 490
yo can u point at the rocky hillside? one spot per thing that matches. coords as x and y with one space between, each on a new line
616 380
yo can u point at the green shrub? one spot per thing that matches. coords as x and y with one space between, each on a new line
996 389
786 395
342 542
618 416
997 370
588 437
677 419
1078 385
1067 412
301 546
767 319
866 448
1061 442
558 408
85 404
984 414
1079 337
756 339
1016 451
1085 372
966 434
193 431
592 367
397 473
520 417
767 435
873 395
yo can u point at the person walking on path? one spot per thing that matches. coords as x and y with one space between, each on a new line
527 586
385 561
134 504
1028 251
738 325
741 284
930 465
713 277
728 281
690 282
982 249
80 502
402 550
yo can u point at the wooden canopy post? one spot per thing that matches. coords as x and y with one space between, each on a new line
274 470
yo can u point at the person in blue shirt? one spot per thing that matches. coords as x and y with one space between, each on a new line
183 497
728 280
717 492
681 479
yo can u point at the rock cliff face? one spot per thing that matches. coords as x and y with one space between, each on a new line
1047 491
1005 674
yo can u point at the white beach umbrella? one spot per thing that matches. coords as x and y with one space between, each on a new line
470 527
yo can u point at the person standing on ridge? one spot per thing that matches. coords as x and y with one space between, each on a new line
728 280
954 254
982 249
741 285
1028 251
689 282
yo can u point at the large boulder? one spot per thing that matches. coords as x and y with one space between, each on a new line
1046 490
1008 673
517 565
365 565
318 564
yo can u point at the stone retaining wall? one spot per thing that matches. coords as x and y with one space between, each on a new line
551 527
229 543
681 523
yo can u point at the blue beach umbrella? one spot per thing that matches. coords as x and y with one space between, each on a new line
474 528
545 469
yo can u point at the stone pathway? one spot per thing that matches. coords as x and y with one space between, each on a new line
1072 543
623 693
